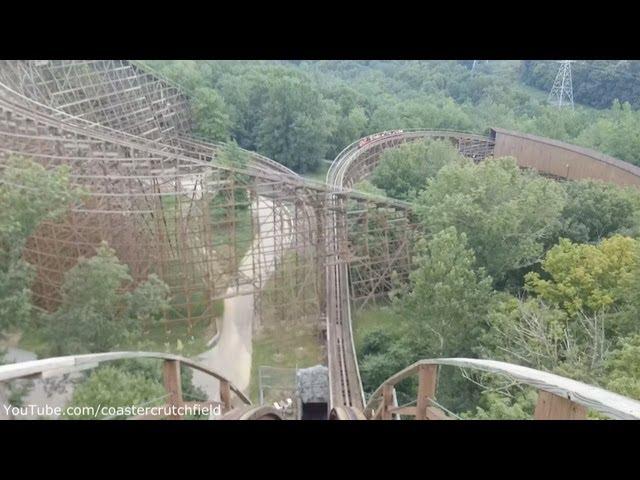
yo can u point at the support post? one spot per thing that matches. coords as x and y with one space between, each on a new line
225 395
387 402
427 383
553 407
172 384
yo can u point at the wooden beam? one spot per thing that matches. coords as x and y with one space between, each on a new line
172 384
553 407
404 411
434 413
387 402
427 384
225 396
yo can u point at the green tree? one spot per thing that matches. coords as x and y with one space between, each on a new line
110 386
350 126
352 115
596 210
365 186
498 406
29 195
562 124
587 279
233 157
100 310
617 133
505 213
623 368
403 171
189 74
245 96
444 314
435 111
210 114
151 369
296 125
381 355
449 296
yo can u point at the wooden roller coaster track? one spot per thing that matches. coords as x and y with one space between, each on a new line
125 133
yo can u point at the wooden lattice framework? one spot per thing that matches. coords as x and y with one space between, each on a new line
158 197
167 204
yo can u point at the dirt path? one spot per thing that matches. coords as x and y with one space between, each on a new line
231 356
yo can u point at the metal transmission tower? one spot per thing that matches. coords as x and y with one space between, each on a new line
561 93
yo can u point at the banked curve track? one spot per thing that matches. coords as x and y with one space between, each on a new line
358 160
354 163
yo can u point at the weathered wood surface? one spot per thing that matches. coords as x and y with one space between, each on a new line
553 407
387 402
73 362
172 384
346 413
427 382
563 159
595 398
225 395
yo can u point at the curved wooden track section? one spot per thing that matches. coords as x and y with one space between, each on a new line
358 160
346 413
558 397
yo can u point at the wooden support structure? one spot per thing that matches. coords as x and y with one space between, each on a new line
553 407
387 402
427 384
410 411
225 396
434 413
559 398
172 384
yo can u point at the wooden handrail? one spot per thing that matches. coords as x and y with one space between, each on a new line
559 397
40 368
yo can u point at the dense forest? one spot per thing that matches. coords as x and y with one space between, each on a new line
300 113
